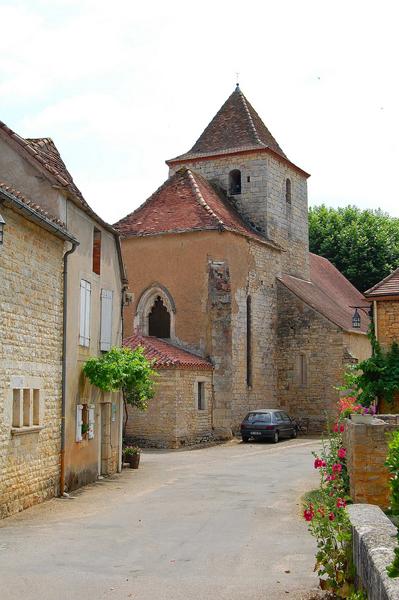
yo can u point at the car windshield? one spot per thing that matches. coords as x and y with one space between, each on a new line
263 417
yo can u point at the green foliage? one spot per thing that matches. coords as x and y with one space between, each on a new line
131 450
328 519
362 244
375 377
358 596
126 370
392 463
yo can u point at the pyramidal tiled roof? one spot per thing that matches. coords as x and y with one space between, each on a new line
236 127
186 202
387 287
166 355
330 293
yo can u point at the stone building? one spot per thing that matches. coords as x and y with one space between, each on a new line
31 318
385 298
228 276
91 432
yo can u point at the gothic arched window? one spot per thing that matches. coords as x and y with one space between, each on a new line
159 320
288 190
235 182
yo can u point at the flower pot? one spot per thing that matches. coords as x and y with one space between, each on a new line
362 418
133 460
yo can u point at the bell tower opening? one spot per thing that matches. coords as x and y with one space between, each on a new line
159 320
235 182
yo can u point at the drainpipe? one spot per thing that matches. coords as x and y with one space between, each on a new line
121 402
64 357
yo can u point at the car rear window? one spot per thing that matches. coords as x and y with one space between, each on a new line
263 417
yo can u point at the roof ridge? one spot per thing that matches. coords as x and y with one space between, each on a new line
251 122
200 199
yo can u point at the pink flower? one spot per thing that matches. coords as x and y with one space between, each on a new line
331 516
330 477
337 468
338 427
319 463
342 453
341 503
308 514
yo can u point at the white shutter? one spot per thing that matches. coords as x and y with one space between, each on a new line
79 422
106 320
85 301
92 421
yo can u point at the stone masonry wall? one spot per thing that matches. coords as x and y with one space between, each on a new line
367 448
31 299
262 200
172 419
303 331
387 322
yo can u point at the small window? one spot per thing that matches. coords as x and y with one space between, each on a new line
159 320
288 190
201 395
97 251
25 408
248 178
84 326
235 182
249 342
303 369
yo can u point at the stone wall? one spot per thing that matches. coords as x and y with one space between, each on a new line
31 297
172 419
387 327
367 447
262 200
311 360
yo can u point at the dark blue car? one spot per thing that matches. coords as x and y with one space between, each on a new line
269 423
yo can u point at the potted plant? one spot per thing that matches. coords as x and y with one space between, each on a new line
131 455
350 407
364 415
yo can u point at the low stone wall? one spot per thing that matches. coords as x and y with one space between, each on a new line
367 448
373 550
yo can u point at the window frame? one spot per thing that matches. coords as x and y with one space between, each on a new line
85 313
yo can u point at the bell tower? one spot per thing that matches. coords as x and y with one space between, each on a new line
237 154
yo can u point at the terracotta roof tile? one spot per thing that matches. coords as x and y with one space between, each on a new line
166 355
389 286
237 126
186 202
35 207
330 293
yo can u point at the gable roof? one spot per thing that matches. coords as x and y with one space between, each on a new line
330 293
186 202
389 286
236 127
166 355
34 212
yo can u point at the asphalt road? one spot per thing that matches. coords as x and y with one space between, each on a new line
221 522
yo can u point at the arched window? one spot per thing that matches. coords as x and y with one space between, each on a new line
235 182
159 320
288 190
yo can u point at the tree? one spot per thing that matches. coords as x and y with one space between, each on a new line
362 244
126 370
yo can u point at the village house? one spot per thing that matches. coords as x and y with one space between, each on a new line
228 278
90 434
31 321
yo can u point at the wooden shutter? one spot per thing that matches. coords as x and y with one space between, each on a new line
106 320
79 422
92 421
85 301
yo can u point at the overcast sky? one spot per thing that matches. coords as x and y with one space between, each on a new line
121 86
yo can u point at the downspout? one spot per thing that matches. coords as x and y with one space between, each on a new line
122 403
64 357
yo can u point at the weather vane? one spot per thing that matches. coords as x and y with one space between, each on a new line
237 79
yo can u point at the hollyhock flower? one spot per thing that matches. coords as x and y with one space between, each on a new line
342 453
331 516
319 463
341 503
330 477
337 468
308 514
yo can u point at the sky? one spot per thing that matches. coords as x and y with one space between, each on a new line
122 86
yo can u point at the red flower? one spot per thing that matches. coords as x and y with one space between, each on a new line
331 516
342 453
341 503
330 477
308 514
335 428
337 468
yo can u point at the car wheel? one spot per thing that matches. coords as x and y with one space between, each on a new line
276 437
245 440
294 433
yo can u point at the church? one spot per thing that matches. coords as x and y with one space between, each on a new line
227 300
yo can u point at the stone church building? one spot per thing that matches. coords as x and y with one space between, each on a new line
220 270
